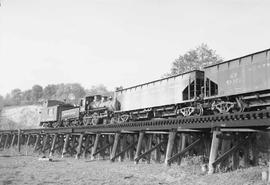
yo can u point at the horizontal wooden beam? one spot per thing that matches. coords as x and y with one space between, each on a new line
179 129
239 130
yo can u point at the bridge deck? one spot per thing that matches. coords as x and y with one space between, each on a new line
255 120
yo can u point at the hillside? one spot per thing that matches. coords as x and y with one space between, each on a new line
20 117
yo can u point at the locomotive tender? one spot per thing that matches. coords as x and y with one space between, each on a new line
237 85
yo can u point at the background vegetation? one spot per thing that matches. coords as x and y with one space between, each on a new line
196 58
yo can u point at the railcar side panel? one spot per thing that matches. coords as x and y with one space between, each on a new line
70 113
49 114
158 93
242 75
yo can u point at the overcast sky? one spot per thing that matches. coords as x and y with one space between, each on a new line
119 42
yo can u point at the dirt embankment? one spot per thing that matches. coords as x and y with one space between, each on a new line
21 169
20 117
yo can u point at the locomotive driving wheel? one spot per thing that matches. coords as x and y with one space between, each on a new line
95 119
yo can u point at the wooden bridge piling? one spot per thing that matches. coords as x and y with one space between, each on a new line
213 151
139 146
157 153
122 146
87 145
6 141
1 136
95 147
13 139
115 146
66 143
44 143
53 144
28 139
19 140
79 147
170 145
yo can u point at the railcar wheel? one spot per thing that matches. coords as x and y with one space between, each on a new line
198 110
55 125
190 111
124 118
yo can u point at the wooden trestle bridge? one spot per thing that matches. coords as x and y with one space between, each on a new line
222 139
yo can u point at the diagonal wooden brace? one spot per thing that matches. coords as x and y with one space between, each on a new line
123 151
148 151
183 151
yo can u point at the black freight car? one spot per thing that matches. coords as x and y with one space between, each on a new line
239 84
51 113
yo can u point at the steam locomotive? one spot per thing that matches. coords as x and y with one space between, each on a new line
237 85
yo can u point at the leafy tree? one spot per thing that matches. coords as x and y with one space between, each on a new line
50 91
1 102
27 97
70 92
37 92
100 90
196 58
16 96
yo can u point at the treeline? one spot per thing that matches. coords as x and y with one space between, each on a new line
70 93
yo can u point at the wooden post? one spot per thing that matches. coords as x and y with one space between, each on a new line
254 151
13 139
170 146
225 146
65 145
45 139
6 141
94 149
53 144
213 151
115 145
1 136
111 140
61 142
37 141
149 146
79 147
182 146
131 150
157 151
73 145
139 146
123 144
86 145
19 140
235 156
28 139
246 155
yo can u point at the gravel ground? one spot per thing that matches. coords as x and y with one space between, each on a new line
22 169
